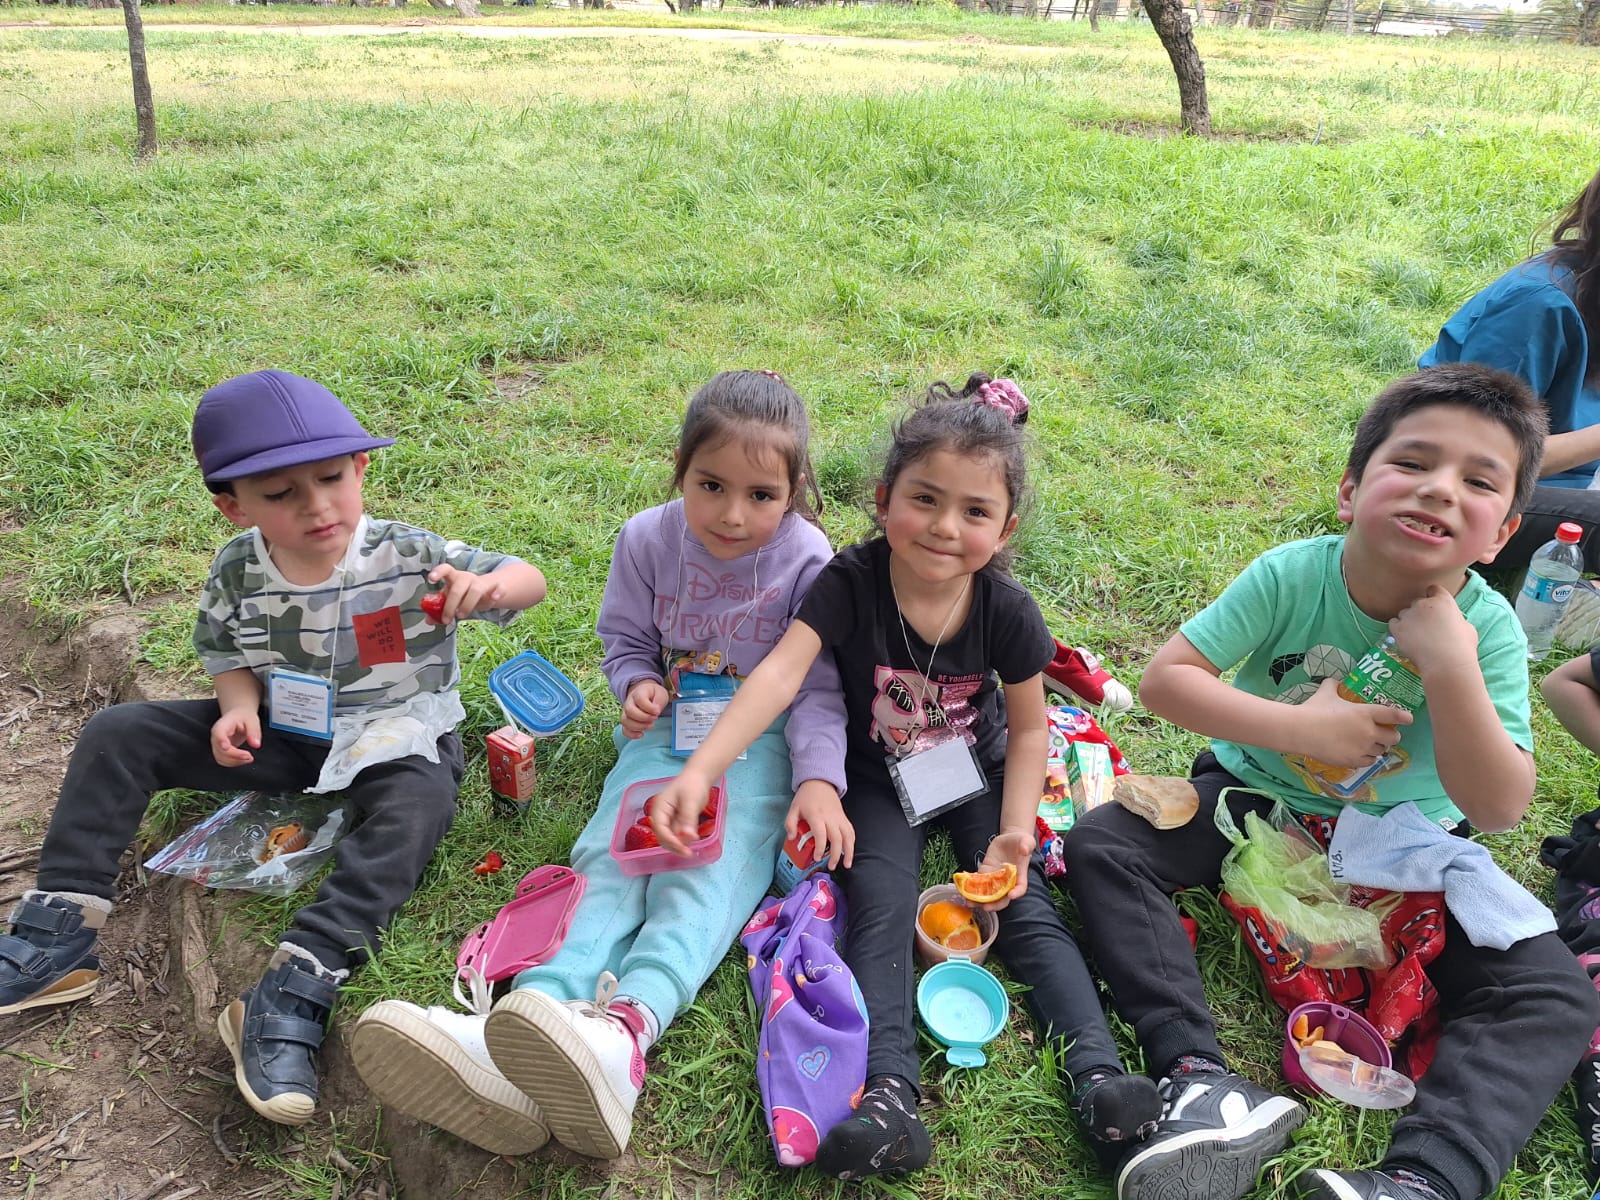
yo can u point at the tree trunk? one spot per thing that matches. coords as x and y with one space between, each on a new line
1094 15
1172 27
1349 17
144 108
466 8
1589 23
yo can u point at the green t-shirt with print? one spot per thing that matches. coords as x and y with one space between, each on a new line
1288 622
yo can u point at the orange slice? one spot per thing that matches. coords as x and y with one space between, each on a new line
968 937
983 887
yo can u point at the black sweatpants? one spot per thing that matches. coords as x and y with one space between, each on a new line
881 891
1515 1021
401 810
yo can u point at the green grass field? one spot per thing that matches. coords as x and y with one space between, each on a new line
520 257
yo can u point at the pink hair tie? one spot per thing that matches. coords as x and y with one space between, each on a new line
1004 395
774 375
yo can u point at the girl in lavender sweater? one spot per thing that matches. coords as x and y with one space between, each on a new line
702 586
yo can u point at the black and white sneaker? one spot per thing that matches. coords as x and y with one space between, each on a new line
1586 1081
1357 1185
1218 1130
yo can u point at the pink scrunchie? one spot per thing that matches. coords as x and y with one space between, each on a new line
1004 395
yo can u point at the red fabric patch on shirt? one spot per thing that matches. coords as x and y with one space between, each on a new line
380 637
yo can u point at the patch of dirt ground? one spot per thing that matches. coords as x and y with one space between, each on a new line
129 1095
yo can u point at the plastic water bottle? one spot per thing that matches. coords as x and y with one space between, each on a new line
1547 588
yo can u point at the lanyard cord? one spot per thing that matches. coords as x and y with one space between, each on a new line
338 612
927 674
677 591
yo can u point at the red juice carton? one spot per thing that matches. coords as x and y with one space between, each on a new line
797 860
511 771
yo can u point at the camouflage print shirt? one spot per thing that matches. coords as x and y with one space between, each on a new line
364 622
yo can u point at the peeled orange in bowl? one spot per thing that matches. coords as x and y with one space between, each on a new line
951 925
947 926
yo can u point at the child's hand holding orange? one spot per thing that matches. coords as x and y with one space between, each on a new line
1011 848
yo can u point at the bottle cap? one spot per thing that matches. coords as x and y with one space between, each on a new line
1568 531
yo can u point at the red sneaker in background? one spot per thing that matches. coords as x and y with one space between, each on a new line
1077 675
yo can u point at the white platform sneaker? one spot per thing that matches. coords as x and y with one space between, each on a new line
432 1064
581 1062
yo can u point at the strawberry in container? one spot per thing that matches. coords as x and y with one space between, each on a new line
634 844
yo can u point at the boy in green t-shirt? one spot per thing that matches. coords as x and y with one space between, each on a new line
1441 464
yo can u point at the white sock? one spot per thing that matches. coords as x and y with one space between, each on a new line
81 899
323 970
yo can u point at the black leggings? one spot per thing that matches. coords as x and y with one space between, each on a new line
881 891
401 811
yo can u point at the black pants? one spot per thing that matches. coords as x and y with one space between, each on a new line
401 811
881 892
1515 1021
1549 507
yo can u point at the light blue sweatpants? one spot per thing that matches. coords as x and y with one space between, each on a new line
662 935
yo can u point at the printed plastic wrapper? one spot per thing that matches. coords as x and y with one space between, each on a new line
1081 764
1286 878
258 841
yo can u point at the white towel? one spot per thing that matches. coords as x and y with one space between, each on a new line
1405 852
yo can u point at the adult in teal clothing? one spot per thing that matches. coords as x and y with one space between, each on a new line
1538 321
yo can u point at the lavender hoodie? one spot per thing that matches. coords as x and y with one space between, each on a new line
670 604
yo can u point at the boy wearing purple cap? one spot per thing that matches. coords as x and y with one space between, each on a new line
328 676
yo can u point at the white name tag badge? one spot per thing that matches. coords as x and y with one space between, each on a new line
300 703
701 700
938 778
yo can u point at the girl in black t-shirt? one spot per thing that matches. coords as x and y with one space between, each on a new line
925 627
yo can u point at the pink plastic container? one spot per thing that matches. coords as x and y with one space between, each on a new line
529 929
659 858
1353 1032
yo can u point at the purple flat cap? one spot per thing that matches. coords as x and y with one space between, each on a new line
269 420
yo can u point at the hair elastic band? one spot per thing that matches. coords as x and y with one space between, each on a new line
770 374
1005 395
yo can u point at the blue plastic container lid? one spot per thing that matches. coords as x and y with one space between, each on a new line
963 1006
539 698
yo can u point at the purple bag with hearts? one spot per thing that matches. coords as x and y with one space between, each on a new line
811 1054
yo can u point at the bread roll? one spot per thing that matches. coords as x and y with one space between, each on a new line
1162 800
